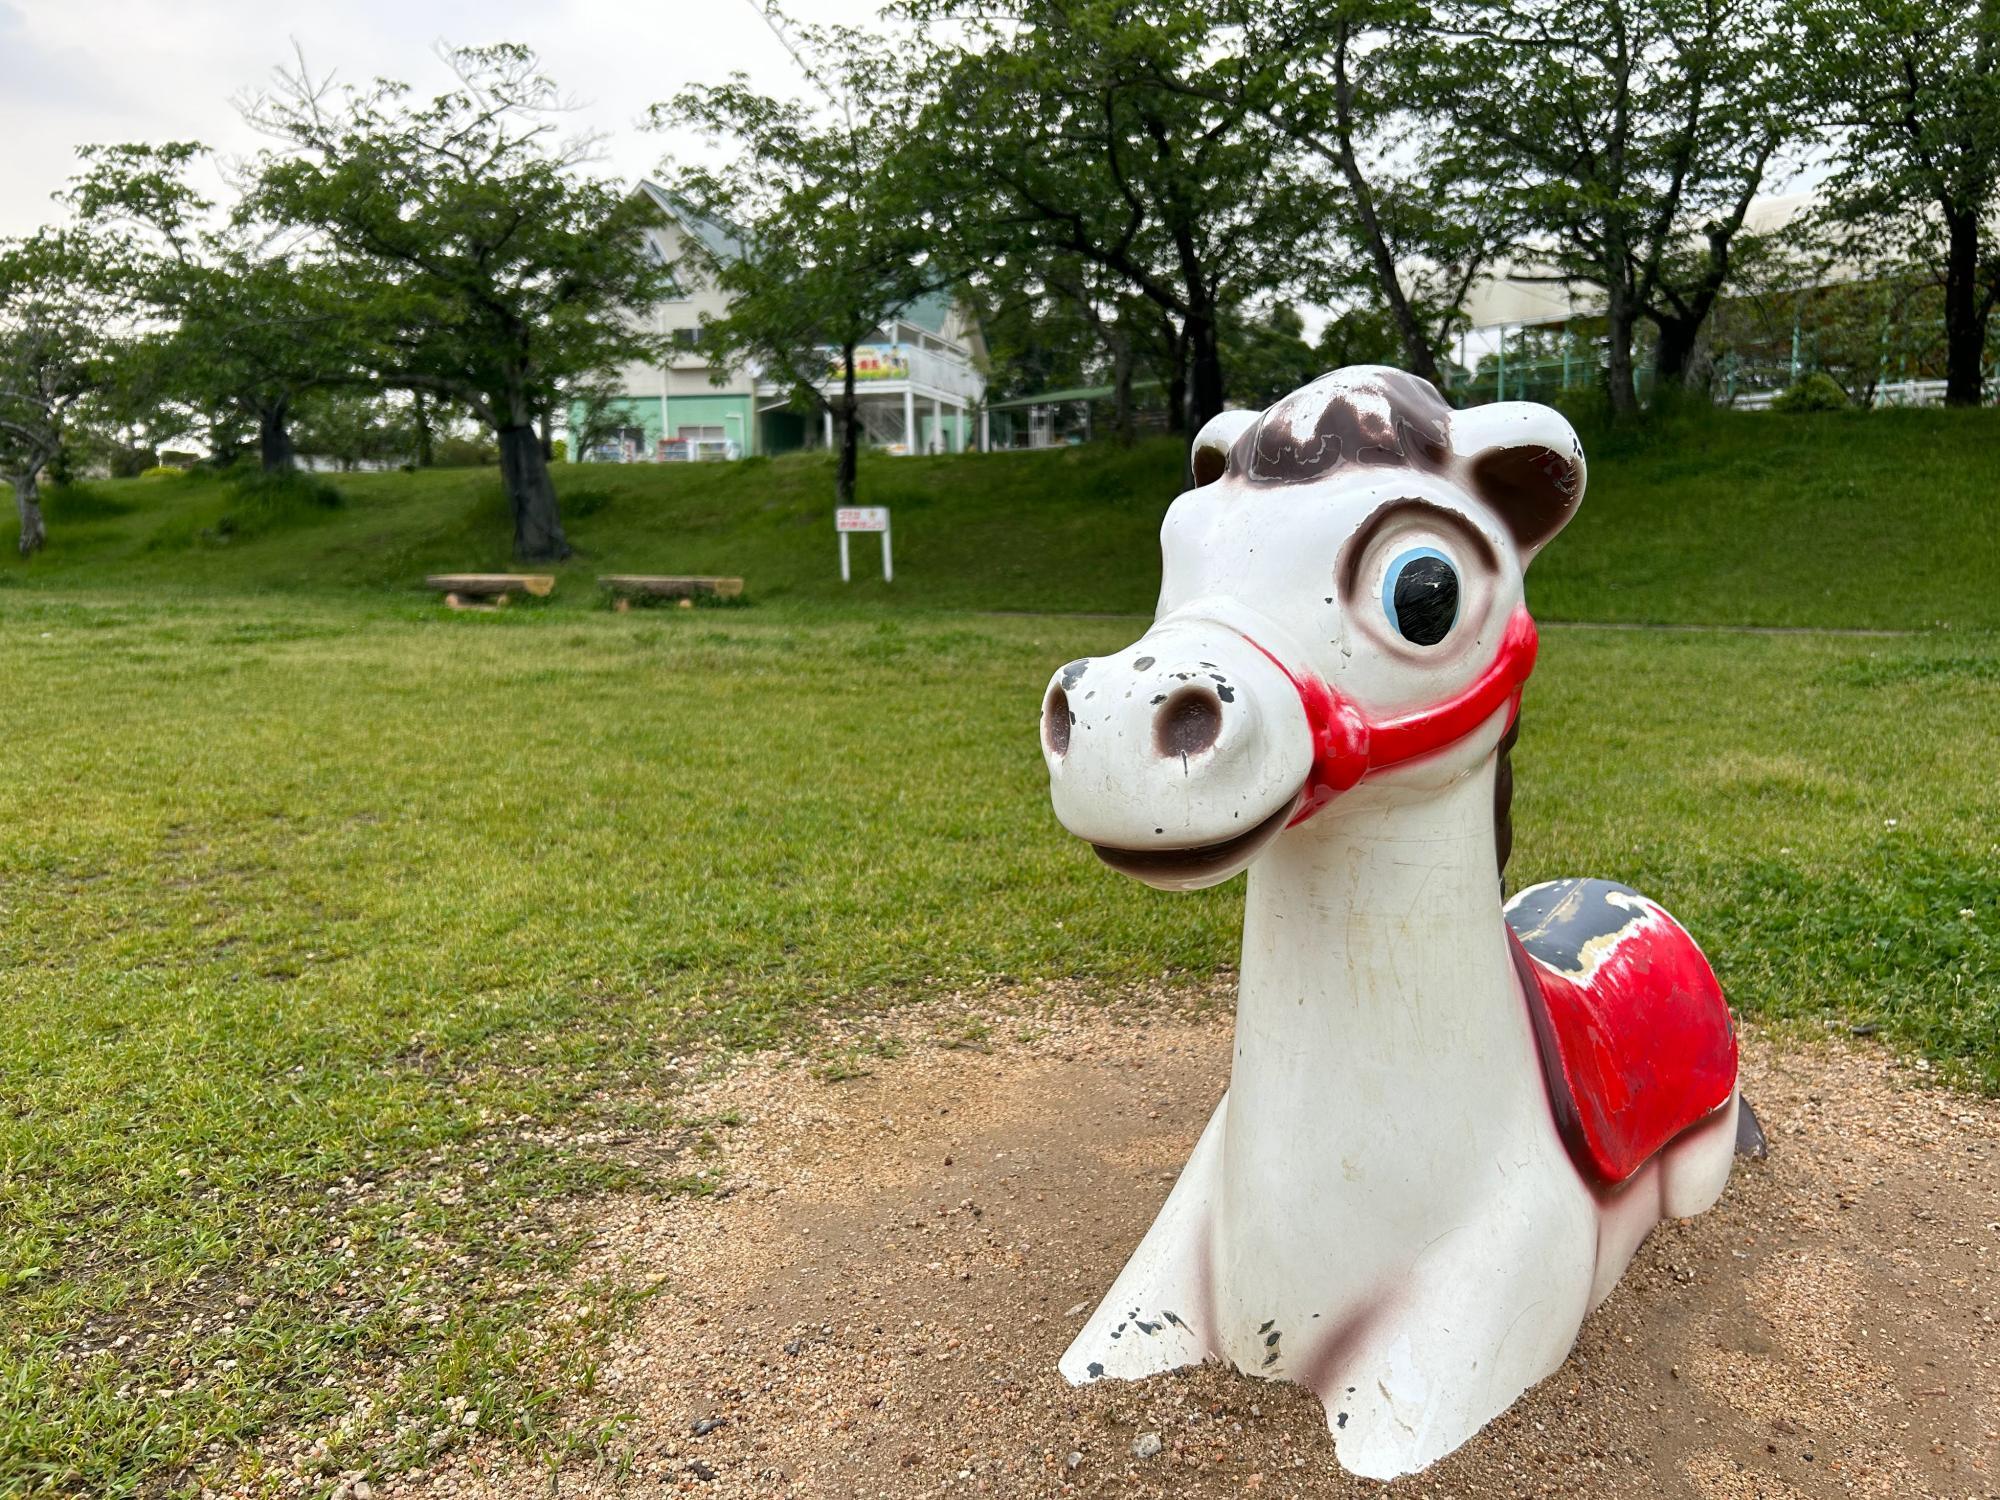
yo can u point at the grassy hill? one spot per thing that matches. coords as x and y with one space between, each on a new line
349 947
1884 519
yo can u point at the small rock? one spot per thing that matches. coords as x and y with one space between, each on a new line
1147 1445
700 1470
706 1425
795 1346
363 1490
1074 1461
1078 1311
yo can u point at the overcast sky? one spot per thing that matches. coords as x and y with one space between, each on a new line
78 71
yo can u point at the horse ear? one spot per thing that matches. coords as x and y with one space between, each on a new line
1524 461
1212 444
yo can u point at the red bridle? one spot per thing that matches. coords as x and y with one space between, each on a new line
1348 746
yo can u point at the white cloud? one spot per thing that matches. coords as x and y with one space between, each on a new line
81 71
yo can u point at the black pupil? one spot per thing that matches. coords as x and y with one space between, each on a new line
1426 600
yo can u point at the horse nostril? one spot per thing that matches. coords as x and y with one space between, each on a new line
1056 719
1189 724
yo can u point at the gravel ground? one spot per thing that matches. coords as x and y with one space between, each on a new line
876 1306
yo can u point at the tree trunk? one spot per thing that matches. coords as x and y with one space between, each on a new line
1618 364
548 432
274 438
426 447
1679 338
1204 367
531 493
28 501
850 432
1964 318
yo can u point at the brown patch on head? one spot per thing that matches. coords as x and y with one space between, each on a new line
1534 488
1368 417
1208 465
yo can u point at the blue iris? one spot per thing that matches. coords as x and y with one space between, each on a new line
1420 595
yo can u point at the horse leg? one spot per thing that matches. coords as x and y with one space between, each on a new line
1683 1180
1159 1313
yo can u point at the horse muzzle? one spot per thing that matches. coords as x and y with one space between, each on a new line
1181 757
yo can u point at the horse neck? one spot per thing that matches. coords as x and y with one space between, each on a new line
1375 958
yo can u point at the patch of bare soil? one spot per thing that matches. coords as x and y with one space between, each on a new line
877 1307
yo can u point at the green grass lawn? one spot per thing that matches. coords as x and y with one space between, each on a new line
1866 519
345 942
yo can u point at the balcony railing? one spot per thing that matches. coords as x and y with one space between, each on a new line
891 366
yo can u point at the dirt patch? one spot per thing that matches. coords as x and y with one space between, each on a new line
877 1307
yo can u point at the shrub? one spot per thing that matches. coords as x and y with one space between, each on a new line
260 503
1817 392
462 452
163 471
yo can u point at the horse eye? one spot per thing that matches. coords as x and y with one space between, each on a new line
1420 596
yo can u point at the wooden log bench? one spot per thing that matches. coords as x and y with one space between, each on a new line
626 587
489 590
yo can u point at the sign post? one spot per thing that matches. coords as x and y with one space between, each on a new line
849 518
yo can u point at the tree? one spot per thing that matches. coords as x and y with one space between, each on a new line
56 352
1913 88
486 268
821 244
248 325
1268 356
350 428
1133 158
1345 80
1629 138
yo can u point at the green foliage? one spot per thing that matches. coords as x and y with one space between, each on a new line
351 427
1628 137
486 268
60 306
1268 358
258 503
814 232
1137 160
249 328
163 471
460 450
1817 392
1911 89
1405 233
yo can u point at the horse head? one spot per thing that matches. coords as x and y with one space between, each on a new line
1341 601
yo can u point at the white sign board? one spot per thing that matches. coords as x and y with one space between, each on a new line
851 518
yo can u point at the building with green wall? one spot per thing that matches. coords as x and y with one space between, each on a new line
921 381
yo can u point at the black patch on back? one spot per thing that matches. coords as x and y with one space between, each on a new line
1555 922
1750 1132
1380 418
1503 798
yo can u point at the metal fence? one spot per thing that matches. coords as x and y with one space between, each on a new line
1749 382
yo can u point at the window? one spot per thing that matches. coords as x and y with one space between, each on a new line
686 340
689 433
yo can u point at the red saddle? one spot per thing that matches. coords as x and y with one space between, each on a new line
1635 1036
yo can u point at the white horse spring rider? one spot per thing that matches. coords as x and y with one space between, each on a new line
1444 1135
